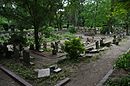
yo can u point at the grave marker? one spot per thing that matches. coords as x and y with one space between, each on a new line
26 57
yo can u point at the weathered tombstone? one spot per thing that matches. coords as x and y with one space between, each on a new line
101 43
16 54
26 57
43 73
114 40
97 44
53 49
56 47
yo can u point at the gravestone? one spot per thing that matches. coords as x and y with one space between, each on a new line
114 40
56 47
26 57
53 49
16 54
97 44
101 43
43 73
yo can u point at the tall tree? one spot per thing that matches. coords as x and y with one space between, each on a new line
34 13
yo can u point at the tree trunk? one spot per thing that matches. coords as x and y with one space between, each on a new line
37 45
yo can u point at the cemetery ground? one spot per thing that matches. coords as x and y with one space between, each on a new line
87 70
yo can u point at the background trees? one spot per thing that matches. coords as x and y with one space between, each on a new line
31 14
36 14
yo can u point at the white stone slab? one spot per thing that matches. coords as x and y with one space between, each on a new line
43 73
57 70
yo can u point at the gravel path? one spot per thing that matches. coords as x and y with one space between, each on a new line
90 74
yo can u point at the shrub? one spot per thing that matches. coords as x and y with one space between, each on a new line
74 48
48 31
72 29
123 62
123 81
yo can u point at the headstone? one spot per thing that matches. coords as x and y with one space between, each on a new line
16 54
43 73
26 57
114 40
97 44
53 49
52 68
56 47
101 43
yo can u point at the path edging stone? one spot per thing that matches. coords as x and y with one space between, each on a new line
16 77
104 79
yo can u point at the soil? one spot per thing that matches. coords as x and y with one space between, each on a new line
5 80
89 74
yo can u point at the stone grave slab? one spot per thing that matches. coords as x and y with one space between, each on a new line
57 70
43 73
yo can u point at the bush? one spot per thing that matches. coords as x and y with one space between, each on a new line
72 29
48 31
124 81
123 62
74 48
17 39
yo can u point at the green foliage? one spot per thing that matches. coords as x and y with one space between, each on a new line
72 29
25 72
123 61
48 31
74 48
17 39
124 81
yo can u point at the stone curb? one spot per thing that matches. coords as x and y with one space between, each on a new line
16 77
104 79
63 82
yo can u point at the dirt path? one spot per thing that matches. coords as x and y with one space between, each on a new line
90 74
5 80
